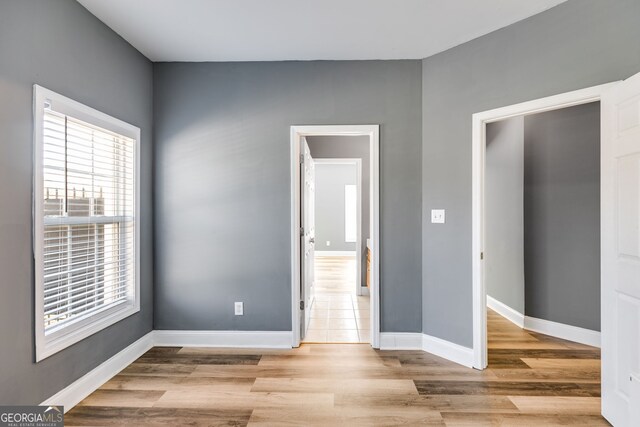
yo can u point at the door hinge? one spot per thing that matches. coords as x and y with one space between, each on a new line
301 158
302 305
301 231
481 255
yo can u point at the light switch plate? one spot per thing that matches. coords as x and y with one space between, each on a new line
437 216
239 309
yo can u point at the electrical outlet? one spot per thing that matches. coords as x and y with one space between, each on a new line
437 216
239 307
328 243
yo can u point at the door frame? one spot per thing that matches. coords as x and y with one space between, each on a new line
479 122
297 133
358 164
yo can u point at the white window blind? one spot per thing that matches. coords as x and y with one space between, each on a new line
87 239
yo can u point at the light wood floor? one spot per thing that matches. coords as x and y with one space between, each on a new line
532 380
338 315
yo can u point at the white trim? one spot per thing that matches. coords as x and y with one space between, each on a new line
561 330
336 253
479 122
448 350
297 133
94 379
83 328
436 346
237 339
400 341
505 311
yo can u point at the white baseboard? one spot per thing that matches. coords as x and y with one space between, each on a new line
250 339
417 341
90 382
400 341
448 350
560 330
505 311
335 253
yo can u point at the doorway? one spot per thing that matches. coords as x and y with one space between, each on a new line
508 118
329 303
339 305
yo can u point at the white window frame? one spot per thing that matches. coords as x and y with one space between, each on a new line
84 327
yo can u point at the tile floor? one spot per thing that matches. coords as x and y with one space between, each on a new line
338 315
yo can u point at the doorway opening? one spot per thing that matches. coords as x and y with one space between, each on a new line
338 297
542 243
334 205
536 222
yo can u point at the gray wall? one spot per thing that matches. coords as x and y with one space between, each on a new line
350 147
577 44
223 180
330 206
562 215
504 210
61 46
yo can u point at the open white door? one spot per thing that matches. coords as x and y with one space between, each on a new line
621 253
307 236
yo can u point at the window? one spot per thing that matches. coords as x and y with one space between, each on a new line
350 213
85 221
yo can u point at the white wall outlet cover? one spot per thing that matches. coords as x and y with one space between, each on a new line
239 308
437 216
328 243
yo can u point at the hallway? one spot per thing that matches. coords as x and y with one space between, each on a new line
338 315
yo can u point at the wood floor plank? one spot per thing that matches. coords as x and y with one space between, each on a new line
155 417
557 405
453 403
323 360
460 419
123 398
187 384
158 369
347 416
568 364
323 385
507 388
547 375
244 401
201 359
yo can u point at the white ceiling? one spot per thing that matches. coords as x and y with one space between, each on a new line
272 30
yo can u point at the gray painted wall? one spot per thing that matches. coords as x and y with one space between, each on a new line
61 46
223 180
577 44
504 210
542 185
562 215
350 147
330 206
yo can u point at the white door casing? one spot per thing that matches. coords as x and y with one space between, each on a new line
479 122
373 133
308 235
620 210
